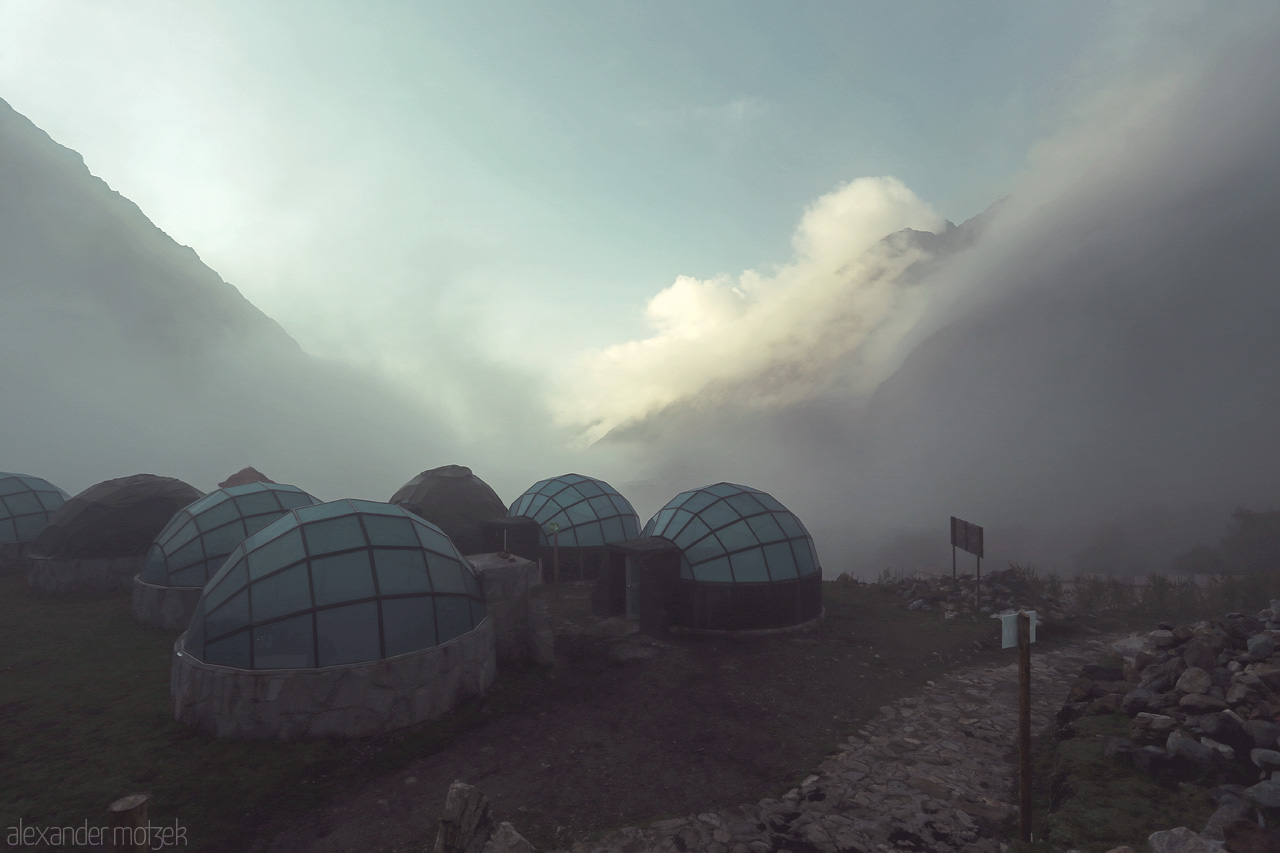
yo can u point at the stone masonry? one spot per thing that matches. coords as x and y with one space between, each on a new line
935 771
86 575
513 594
355 700
167 607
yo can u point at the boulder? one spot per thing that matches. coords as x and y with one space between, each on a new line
1261 647
1194 680
1265 733
1181 840
1202 652
1246 836
1203 760
1265 794
1226 814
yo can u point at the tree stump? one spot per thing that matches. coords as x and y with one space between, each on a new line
127 824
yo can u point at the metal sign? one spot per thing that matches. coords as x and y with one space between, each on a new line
966 536
1009 629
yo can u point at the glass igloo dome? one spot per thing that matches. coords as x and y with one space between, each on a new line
589 512
196 541
26 503
735 534
336 583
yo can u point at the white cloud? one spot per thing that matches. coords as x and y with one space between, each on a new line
787 322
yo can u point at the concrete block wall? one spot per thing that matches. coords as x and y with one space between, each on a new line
355 700
513 594
167 607
113 574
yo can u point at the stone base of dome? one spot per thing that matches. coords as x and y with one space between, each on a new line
13 558
113 574
354 700
167 607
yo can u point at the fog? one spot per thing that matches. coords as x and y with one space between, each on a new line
1096 380
1090 370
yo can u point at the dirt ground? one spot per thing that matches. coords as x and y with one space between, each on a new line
623 731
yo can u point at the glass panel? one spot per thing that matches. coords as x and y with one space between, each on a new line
51 500
602 506
693 532
401 571
12 485
184 533
782 562
589 488
453 616
537 504
613 530
568 495
446 575
518 508
332 509
205 502
804 557
293 500
258 503
287 644
154 569
280 594
737 536
630 527
221 542
679 499
408 624
342 577
29 526
685 571
255 523
276 554
8 531
697 500
581 514
766 529
477 612
232 615
715 571
723 489
231 582
376 507
568 538
23 503
769 501
390 531
433 539
588 536
745 504
216 516
789 525
192 552
679 518
648 528
718 515
749 567
571 478
194 643
472 582
348 634
335 534
230 651
194 576
703 549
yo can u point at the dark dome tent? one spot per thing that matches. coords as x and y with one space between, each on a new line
579 516
347 618
196 542
245 476
98 540
455 500
26 505
746 562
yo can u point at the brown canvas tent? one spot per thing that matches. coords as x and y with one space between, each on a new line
115 518
455 500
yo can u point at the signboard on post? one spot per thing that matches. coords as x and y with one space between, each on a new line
969 537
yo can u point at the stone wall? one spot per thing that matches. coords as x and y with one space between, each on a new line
13 559
107 575
168 607
513 594
354 700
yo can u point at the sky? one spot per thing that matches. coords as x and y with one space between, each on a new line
663 222
395 181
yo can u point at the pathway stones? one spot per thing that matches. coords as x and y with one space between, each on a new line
934 771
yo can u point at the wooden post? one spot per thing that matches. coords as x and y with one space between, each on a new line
127 824
1024 726
555 558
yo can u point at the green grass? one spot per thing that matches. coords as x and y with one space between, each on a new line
1090 802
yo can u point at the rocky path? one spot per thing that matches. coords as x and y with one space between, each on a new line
932 772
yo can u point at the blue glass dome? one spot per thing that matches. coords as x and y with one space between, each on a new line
25 506
735 534
589 512
196 541
335 583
